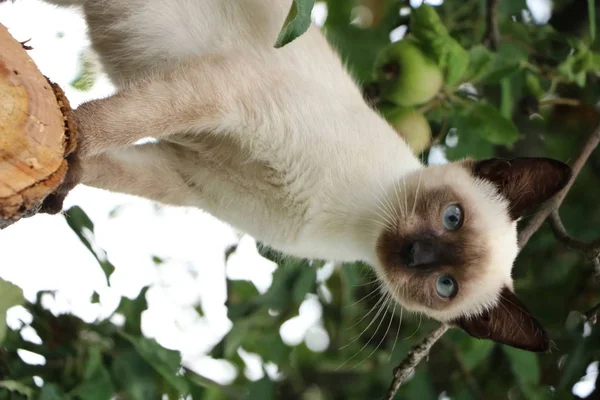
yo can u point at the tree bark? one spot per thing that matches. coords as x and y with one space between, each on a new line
37 132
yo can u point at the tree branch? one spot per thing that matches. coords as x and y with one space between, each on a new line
492 34
412 359
556 201
591 315
590 249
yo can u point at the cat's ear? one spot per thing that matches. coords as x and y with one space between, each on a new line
525 182
510 323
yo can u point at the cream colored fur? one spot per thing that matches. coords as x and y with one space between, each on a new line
278 143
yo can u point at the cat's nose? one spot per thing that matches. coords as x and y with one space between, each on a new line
419 253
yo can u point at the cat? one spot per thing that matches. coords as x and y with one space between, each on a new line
281 144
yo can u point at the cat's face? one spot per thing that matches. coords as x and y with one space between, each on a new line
449 245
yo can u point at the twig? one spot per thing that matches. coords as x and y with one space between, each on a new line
492 34
560 101
591 315
412 359
590 249
556 201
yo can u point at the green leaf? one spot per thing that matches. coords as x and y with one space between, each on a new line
86 75
524 365
498 74
578 63
358 48
306 283
480 59
78 221
166 362
10 295
235 337
433 37
14 386
477 352
52 391
95 298
97 383
486 121
297 22
421 386
261 390
134 375
240 291
197 392
132 310
533 84
157 260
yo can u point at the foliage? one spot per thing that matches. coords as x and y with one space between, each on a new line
534 95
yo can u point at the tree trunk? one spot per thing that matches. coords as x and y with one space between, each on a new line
36 132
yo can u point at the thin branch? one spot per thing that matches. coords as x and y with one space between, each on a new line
492 34
556 201
591 315
560 101
412 359
590 249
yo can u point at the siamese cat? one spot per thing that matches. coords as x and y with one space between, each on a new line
280 144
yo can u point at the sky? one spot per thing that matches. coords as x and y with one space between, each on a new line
42 253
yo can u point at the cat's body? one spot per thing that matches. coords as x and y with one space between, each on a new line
280 170
280 144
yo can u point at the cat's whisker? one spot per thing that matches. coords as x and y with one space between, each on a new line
383 213
417 193
380 301
367 296
418 327
398 330
401 211
405 194
394 210
376 280
383 337
389 298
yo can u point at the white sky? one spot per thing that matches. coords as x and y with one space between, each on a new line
42 253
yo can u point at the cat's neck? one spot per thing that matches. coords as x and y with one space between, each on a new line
346 229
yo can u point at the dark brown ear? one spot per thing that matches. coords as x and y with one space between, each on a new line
508 323
525 182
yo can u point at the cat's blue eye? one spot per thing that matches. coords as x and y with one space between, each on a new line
452 217
446 286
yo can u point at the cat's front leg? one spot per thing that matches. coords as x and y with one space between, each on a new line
196 98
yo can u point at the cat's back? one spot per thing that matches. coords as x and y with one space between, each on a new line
135 37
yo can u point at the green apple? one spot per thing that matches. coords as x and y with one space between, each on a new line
410 124
406 75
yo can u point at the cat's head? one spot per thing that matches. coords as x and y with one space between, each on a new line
448 246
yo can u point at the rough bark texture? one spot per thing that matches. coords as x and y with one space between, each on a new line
36 132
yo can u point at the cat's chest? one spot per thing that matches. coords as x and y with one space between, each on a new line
258 194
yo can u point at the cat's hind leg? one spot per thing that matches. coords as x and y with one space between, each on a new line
146 170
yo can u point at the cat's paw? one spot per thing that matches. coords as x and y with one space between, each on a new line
53 204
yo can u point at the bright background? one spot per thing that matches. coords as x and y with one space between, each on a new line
42 253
